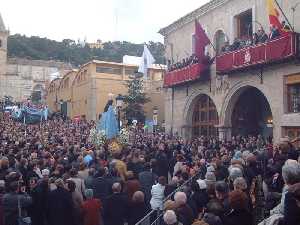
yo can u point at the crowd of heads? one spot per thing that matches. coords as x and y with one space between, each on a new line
258 37
62 178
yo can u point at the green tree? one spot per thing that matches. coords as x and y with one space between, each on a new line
72 52
135 100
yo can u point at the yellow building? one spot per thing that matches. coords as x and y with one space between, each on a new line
85 92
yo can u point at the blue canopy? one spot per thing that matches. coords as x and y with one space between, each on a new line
30 115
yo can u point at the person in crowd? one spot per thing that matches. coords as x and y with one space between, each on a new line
262 37
222 191
77 201
183 210
79 183
147 179
170 218
137 208
15 202
131 185
157 193
60 205
100 185
116 207
91 209
274 32
238 214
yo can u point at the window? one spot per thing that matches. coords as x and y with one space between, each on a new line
244 25
0 43
293 97
109 70
130 71
220 40
193 43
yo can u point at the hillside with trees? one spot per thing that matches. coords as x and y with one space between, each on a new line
77 53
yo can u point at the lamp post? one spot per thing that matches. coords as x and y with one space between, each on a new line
155 115
119 103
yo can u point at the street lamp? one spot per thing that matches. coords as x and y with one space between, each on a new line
119 103
155 115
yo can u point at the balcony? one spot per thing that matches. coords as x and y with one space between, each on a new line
283 48
186 74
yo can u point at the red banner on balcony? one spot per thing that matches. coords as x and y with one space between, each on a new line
186 74
272 51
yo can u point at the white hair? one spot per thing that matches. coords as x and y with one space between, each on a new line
170 217
180 198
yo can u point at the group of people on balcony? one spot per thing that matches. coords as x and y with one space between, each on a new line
257 38
193 59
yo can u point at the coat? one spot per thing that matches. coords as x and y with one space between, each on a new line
157 193
131 186
137 211
91 212
116 209
147 180
238 217
10 206
185 214
60 207
101 188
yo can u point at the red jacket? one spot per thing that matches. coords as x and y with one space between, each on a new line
91 212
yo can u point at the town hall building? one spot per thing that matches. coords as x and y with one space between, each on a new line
250 87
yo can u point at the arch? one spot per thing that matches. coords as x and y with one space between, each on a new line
220 39
233 98
200 116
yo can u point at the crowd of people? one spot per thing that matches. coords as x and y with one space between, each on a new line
50 174
257 38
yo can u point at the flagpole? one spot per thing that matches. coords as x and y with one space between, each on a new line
287 20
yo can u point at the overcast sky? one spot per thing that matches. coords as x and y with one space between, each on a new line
130 20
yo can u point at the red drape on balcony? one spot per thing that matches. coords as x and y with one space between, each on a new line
183 75
271 51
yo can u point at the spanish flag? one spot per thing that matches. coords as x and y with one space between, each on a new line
274 15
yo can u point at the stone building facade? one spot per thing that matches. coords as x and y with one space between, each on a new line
85 92
223 104
19 78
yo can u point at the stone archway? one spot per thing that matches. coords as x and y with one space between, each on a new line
246 111
200 116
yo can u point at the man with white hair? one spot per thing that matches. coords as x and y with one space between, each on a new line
183 210
116 207
170 218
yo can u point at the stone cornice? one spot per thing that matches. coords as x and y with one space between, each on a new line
192 16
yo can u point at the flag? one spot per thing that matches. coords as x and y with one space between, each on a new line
274 14
146 62
201 40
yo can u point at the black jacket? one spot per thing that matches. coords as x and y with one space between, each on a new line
10 206
238 217
116 209
136 212
101 188
60 207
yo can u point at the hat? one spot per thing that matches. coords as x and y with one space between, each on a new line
202 184
45 172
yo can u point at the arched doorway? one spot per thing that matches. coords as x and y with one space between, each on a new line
204 117
251 114
37 93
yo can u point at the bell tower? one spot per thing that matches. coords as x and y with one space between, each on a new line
3 47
